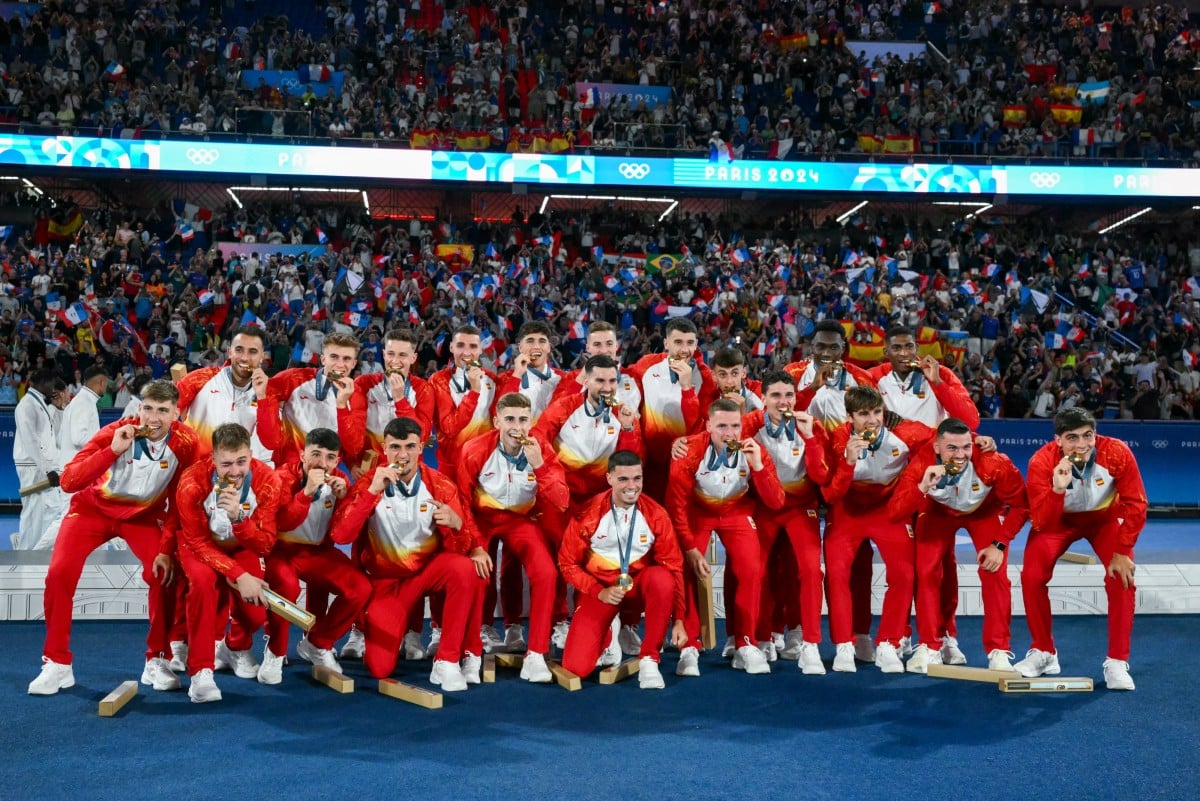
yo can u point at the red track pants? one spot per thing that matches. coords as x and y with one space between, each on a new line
743 566
848 529
208 592
325 569
792 571
591 629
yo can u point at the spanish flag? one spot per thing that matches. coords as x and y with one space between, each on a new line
870 143
423 138
900 144
1066 114
928 343
1015 116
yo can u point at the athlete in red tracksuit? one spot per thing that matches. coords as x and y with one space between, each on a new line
949 486
676 389
396 392
1102 500
120 485
729 378
710 490
532 375
310 399
798 447
517 492
417 540
227 508
601 341
312 488
623 533
821 384
864 477
920 389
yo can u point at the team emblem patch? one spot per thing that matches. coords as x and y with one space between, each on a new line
611 431
895 452
644 538
328 504
750 520
164 464
424 508
531 477
795 451
743 473
1099 482
812 512
974 486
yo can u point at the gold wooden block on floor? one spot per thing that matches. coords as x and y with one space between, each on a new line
1047 684
338 682
509 660
411 694
964 673
1076 558
622 671
565 678
111 704
708 618
489 668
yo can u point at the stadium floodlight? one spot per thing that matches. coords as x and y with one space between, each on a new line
847 215
1124 220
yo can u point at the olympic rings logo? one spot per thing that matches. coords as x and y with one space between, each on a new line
1160 443
1045 180
202 155
634 171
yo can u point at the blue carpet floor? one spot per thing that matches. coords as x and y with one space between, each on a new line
725 735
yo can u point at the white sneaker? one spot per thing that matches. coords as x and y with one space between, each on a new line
435 639
244 665
179 652
649 676
271 669
922 658
558 637
157 674
1038 663
1000 660
514 639
472 664
1116 674
906 647
843 658
689 662
54 677
809 660
448 676
864 648
951 654
219 662
534 669
728 649
318 656
491 638
610 656
793 642
356 645
630 641
887 658
411 647
203 688
768 650
750 659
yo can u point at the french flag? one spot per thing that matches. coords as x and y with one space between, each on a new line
1191 359
598 254
991 270
589 98
487 340
985 239
783 273
578 330
968 288
777 301
851 258
765 347
250 318
320 234
303 355
114 70
736 281
1085 266
356 319
490 251
505 323
206 297
315 73
185 231
414 315
739 256
1056 341
1193 286
612 283
74 314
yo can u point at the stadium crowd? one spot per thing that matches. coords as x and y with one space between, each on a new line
1034 319
774 78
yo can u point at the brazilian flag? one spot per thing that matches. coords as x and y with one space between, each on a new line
665 264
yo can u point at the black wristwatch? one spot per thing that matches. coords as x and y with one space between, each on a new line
999 546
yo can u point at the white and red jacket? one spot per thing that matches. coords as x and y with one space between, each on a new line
1109 486
583 437
827 403
382 406
868 484
497 486
206 530
460 412
401 536
989 484
591 551
707 484
803 465
669 412
629 392
307 401
208 398
302 520
915 398
539 387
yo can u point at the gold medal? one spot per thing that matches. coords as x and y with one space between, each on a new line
625 582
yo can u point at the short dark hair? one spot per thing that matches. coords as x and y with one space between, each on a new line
623 458
599 363
681 324
43 380
777 377
1072 418
251 331
402 428
601 326
862 399
898 331
729 357
95 371
830 326
466 330
534 327
325 438
160 390
723 405
402 335
230 437
952 425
